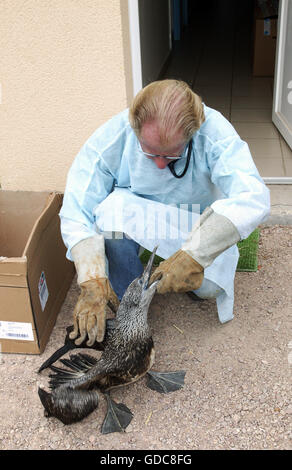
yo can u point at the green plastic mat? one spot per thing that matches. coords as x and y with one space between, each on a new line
144 257
248 253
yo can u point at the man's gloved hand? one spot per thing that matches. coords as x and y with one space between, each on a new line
180 273
90 310
96 291
184 271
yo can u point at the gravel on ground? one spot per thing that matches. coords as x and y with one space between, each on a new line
237 392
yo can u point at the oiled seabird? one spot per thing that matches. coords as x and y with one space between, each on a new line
128 354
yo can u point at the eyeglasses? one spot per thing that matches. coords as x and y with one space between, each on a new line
153 155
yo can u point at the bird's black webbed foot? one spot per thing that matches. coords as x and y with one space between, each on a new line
117 418
166 382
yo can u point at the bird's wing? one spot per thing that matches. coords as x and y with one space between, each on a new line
79 365
69 344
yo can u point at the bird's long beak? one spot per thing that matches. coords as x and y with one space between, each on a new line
147 271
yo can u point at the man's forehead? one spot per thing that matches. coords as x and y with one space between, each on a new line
150 136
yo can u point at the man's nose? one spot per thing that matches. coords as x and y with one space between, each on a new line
161 162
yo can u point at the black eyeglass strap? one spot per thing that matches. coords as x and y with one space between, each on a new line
171 164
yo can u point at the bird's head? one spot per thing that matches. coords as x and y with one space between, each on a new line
140 292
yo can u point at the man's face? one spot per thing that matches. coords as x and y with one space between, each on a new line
150 143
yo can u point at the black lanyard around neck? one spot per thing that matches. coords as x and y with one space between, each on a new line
171 164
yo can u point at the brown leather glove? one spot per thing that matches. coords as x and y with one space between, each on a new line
90 310
180 273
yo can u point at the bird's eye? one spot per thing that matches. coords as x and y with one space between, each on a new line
140 282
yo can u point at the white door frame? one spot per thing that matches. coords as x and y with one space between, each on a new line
133 11
277 117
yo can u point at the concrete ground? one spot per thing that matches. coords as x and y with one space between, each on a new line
281 204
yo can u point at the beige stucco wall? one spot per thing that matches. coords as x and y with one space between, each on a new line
64 70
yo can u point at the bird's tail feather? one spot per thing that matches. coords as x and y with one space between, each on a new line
67 405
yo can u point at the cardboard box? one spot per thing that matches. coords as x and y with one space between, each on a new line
34 272
264 50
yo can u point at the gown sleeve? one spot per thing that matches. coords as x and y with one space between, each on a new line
89 182
246 201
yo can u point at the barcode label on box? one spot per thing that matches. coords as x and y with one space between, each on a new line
16 330
43 291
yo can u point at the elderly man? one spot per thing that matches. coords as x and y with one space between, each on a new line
168 149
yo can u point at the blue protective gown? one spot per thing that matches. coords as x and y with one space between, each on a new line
221 175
